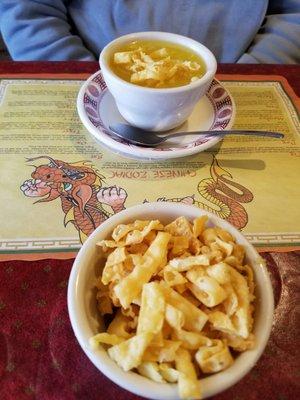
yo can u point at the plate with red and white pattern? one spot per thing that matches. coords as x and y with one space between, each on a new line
97 110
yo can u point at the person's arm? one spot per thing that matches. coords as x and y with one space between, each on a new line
278 40
39 30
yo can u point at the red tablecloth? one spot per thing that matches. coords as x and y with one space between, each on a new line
39 355
41 359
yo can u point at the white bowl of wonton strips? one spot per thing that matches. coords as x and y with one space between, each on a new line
170 301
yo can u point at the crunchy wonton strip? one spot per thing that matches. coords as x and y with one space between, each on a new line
225 246
199 225
173 277
214 358
105 338
150 370
179 227
184 264
151 316
137 236
188 384
168 373
220 272
231 303
221 322
207 290
191 340
112 273
164 353
239 344
121 230
130 287
117 256
242 317
174 317
119 325
109 244
195 319
129 353
103 298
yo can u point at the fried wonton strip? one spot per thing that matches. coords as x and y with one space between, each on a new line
130 287
105 338
220 272
173 277
129 353
174 317
150 370
188 384
158 339
179 227
119 325
103 298
121 230
191 340
184 264
231 303
109 244
168 373
195 319
112 273
206 288
137 236
199 225
164 353
221 322
179 244
225 246
151 316
117 256
239 344
242 318
214 358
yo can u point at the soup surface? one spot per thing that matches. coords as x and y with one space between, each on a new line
157 64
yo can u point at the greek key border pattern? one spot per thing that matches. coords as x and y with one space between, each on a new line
74 244
39 244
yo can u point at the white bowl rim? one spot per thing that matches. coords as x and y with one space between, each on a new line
168 37
133 382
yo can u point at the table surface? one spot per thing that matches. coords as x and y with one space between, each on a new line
39 355
290 72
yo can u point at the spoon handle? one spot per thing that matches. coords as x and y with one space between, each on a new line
229 132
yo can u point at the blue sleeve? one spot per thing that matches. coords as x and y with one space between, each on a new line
39 30
278 40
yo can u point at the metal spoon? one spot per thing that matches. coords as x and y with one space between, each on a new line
146 138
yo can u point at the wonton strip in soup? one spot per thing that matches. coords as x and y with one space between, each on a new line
157 64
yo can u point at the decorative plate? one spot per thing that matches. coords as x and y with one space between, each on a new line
97 110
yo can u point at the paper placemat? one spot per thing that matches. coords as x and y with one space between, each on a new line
251 182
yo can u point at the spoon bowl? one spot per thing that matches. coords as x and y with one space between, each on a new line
145 138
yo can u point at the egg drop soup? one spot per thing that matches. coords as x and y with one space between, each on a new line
157 64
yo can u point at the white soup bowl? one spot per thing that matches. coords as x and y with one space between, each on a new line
156 109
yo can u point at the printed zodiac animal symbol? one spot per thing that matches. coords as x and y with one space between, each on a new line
223 193
79 187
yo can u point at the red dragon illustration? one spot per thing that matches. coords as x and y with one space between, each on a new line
218 190
84 201
79 187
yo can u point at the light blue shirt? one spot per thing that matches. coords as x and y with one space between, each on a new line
250 31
